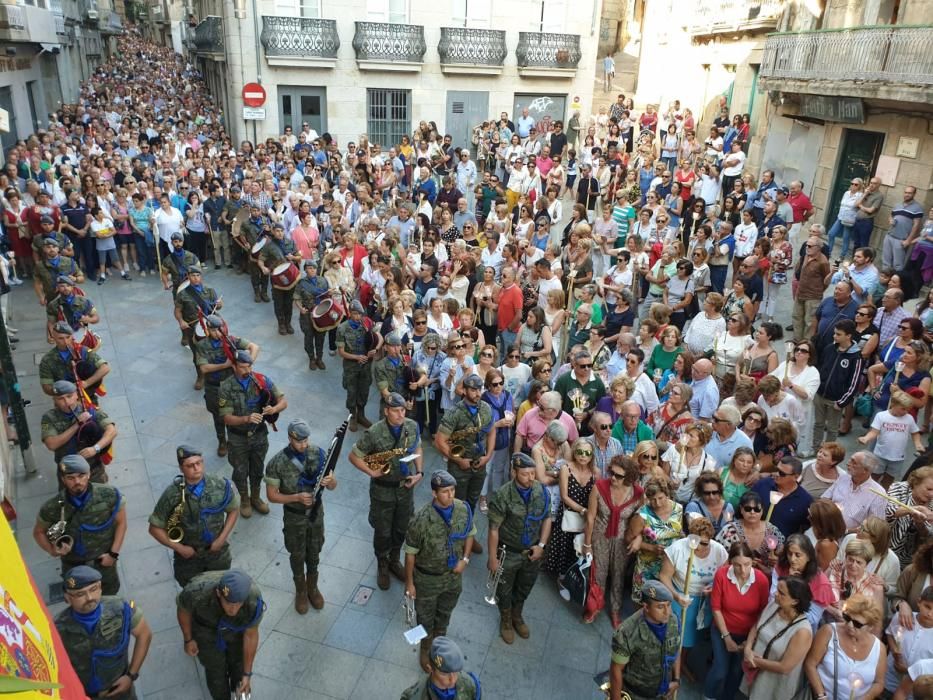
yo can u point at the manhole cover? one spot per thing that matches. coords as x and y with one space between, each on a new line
56 592
362 595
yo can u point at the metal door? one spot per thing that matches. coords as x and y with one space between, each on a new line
858 157
465 109
298 105
8 138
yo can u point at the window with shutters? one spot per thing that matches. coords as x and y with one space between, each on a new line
310 9
553 16
388 116
392 11
472 13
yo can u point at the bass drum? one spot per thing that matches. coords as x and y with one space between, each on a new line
285 276
327 315
87 338
257 248
242 216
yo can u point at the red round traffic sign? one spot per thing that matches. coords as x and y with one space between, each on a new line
254 95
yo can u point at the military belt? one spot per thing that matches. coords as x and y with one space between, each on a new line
424 571
387 484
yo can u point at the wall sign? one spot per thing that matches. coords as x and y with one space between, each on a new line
849 110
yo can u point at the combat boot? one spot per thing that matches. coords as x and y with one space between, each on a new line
518 623
289 329
382 573
222 447
424 657
246 510
256 296
362 419
199 382
312 365
301 595
282 330
314 594
505 626
353 426
395 566
265 296
256 501
320 363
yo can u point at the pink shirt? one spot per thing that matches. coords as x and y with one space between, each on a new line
531 427
544 165
306 240
801 204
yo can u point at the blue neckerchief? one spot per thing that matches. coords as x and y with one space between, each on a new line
113 654
531 520
396 431
79 501
396 361
355 325
206 535
447 516
179 253
472 410
198 489
69 299
79 547
659 629
445 694
524 493
223 625
216 344
244 383
445 513
55 262
199 288
88 621
65 355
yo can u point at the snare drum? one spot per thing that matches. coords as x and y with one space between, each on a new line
285 276
257 248
328 314
87 338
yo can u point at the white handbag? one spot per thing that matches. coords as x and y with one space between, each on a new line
571 521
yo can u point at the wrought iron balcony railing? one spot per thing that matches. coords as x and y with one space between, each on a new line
478 47
891 54
716 16
544 50
382 41
299 37
209 35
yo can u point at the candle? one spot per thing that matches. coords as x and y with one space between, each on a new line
855 683
771 542
776 497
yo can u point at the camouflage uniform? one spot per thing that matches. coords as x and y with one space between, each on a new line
273 254
357 378
38 241
637 647
252 230
468 688
56 365
102 657
387 373
219 638
438 547
248 444
91 525
231 209
390 503
71 309
189 302
202 519
176 267
48 271
54 422
211 352
469 481
309 293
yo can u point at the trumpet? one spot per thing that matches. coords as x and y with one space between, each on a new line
492 581
409 604
173 528
56 533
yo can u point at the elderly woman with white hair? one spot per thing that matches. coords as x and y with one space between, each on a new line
550 454
727 438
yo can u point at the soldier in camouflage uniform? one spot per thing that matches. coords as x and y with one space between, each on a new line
519 519
51 266
59 362
95 520
192 303
276 251
388 372
214 357
208 515
446 679
437 551
219 614
231 208
244 401
175 265
69 429
469 469
651 666
310 292
77 311
391 498
291 475
95 630
357 374
251 231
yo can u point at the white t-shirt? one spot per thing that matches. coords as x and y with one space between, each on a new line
737 168
789 408
702 570
894 435
168 223
745 237
516 381
545 286
916 647
686 476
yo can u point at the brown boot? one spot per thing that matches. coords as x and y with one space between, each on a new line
256 296
518 623
395 566
289 329
199 383
282 330
246 509
312 364
222 448
256 501
353 426
320 363
424 657
362 419
382 573
301 595
265 296
505 626
314 595
477 547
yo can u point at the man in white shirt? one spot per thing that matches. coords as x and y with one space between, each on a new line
546 281
746 234
732 165
492 256
645 394
777 403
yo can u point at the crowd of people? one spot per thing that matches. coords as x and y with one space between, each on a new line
582 322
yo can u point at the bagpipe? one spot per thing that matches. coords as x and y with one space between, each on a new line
83 369
227 342
89 432
266 398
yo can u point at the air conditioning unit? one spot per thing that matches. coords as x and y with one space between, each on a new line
92 14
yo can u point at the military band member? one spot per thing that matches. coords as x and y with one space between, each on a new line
256 227
204 506
310 292
277 250
520 519
219 614
93 517
95 630
388 372
446 680
391 495
193 303
75 310
472 418
245 402
175 265
61 361
214 357
646 649
437 549
52 266
231 208
291 476
357 356
48 229
70 429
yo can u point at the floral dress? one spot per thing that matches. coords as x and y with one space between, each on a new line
656 531
735 532
560 552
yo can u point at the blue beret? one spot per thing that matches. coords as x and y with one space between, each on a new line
394 338
395 400
178 236
522 461
234 586
74 464
244 357
78 577
310 263
441 479
195 270
62 387
299 430
473 381
446 656
657 592
50 241
214 321
63 327
356 306
46 219
183 452
65 279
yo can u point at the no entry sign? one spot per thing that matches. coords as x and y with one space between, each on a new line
254 95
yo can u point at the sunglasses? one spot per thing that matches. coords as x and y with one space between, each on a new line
712 493
806 351
457 347
583 453
486 354
652 458
605 426
544 370
616 475
778 474
516 356
421 323
855 623
497 383
862 313
631 362
756 419
752 509
585 366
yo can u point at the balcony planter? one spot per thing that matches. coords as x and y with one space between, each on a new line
300 41
472 51
384 46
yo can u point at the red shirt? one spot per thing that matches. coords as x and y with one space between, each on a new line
740 612
801 205
510 307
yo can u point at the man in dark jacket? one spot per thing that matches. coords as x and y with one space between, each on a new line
840 368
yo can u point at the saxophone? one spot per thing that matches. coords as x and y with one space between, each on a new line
173 528
380 460
56 533
458 439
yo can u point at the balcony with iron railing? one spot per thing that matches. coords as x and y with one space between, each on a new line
543 54
209 36
389 47
299 41
472 51
885 62
707 17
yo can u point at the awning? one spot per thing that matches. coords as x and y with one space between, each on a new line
51 48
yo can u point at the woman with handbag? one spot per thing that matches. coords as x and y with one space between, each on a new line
847 660
534 337
686 457
801 379
655 525
913 376
778 644
612 503
576 479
